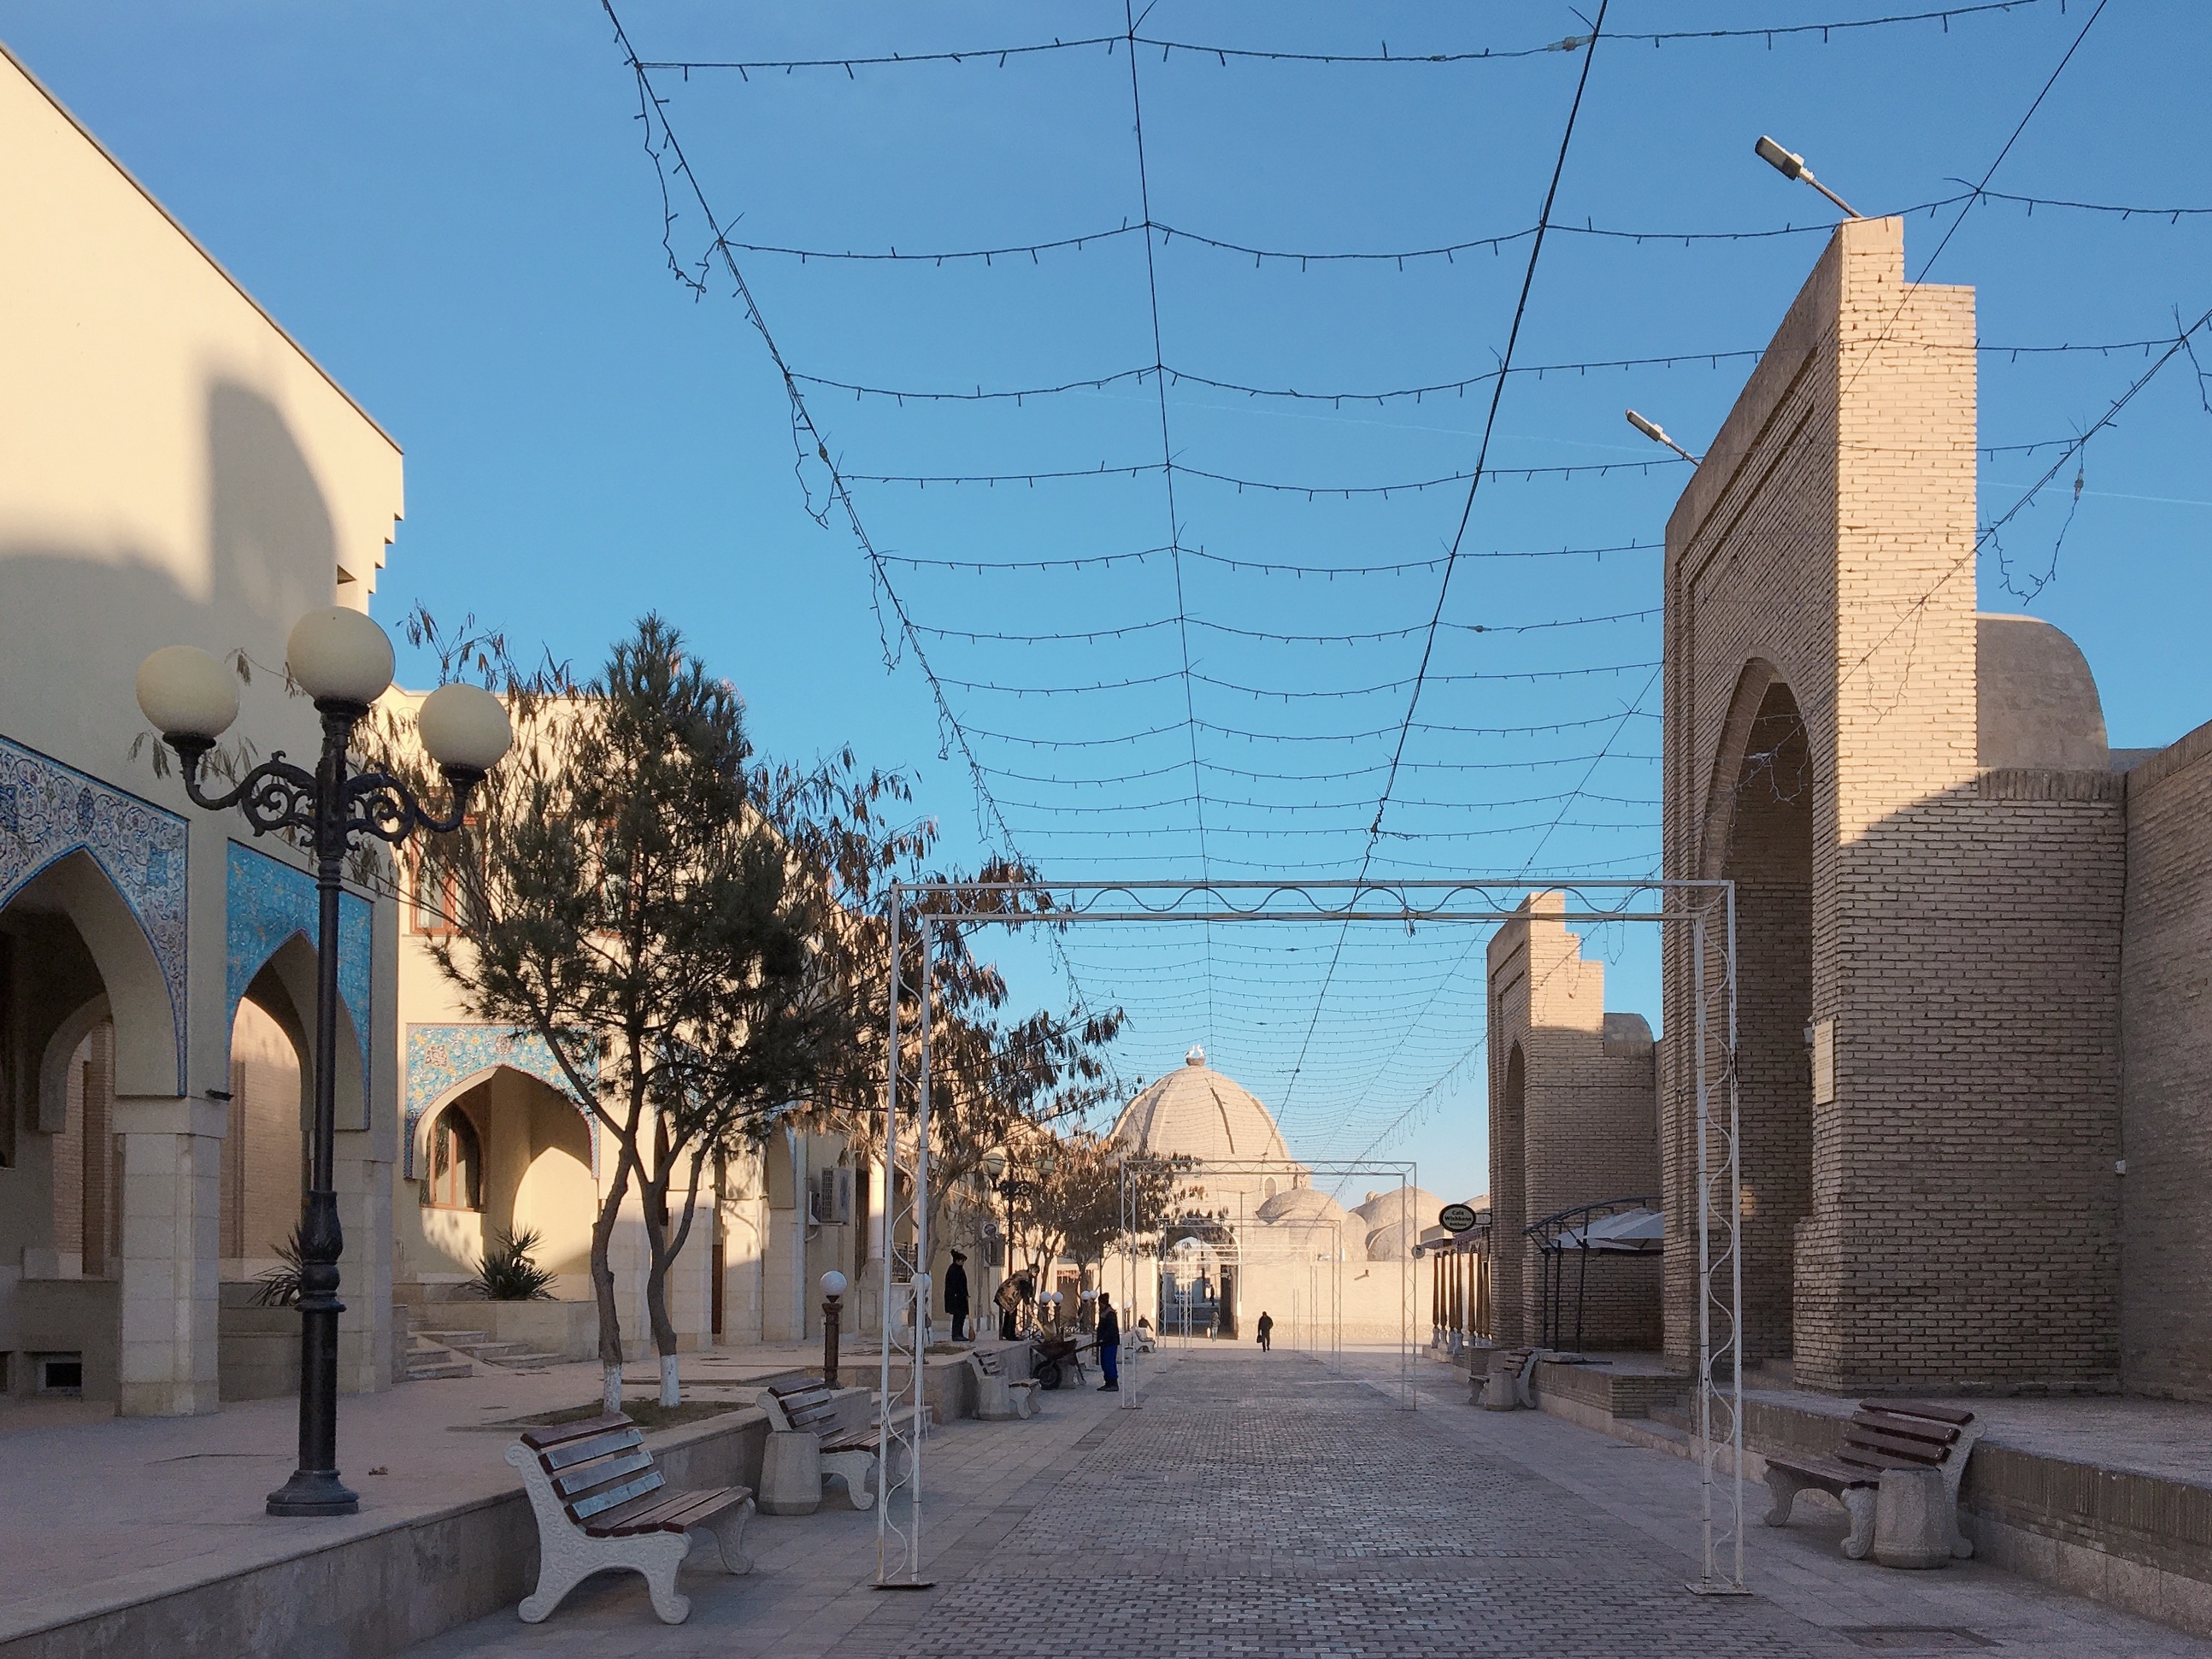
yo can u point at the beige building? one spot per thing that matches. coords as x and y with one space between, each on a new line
173 468
1255 1235
1970 937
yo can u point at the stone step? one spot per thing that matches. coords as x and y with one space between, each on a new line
431 1371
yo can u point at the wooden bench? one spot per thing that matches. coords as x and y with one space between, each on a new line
1001 1397
1883 1434
601 1502
848 1453
1511 1372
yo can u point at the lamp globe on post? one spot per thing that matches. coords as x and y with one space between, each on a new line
343 661
190 698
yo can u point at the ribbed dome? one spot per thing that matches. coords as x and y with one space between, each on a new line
1306 1204
1196 1112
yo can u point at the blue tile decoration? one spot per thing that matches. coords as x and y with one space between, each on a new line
440 1058
268 901
48 810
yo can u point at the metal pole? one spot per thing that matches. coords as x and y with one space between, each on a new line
885 1466
1704 1256
921 1278
314 1487
1735 1227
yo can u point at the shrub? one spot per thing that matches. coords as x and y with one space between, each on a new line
508 1273
279 1287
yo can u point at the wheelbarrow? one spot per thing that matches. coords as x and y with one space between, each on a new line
1053 1358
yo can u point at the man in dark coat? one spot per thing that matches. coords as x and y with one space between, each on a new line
1266 1332
1109 1344
955 1295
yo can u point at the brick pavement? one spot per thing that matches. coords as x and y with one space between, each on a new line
1266 1506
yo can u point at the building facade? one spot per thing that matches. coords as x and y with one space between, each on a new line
173 468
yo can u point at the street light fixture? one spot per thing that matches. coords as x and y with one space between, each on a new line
343 661
1791 165
1657 434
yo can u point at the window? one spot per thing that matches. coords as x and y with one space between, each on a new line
456 1163
436 899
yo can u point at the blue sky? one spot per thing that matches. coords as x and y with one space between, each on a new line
451 207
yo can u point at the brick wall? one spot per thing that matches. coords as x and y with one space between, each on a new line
1949 1212
1573 1121
2165 1038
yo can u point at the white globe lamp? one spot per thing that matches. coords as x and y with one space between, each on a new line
833 1283
338 655
465 728
187 694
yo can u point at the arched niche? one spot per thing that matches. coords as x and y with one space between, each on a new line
444 1062
1759 832
271 915
283 985
135 985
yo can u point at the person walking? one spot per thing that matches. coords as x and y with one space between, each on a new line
1266 1332
956 1296
1109 1344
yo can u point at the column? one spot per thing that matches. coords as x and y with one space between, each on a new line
363 1183
170 1274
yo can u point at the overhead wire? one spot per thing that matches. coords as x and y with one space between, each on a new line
1467 513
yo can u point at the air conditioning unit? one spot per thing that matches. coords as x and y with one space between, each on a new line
830 1196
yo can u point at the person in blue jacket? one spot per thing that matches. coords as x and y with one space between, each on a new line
1109 1344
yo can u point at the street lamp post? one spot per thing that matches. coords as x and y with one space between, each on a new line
343 661
833 1288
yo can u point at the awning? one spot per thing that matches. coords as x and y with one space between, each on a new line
1629 1230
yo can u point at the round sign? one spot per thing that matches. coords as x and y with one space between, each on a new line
1457 1218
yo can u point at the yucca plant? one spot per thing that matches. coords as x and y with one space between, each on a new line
507 1273
279 1287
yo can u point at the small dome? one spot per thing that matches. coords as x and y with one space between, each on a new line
1305 1204
1387 1209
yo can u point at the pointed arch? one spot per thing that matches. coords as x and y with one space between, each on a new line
116 866
1752 685
444 1062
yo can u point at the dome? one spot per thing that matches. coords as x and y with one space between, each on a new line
1196 1112
1387 1209
1391 1243
1301 1204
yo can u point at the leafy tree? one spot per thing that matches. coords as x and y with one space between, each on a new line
1073 1206
636 892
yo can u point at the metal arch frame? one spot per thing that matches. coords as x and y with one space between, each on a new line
903 1416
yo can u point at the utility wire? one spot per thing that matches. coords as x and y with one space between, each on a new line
1000 56
1459 535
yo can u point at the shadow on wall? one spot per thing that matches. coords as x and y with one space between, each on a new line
271 553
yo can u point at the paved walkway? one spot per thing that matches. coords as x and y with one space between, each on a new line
1262 1505
96 1509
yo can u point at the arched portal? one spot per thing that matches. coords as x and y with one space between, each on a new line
264 1153
1763 819
499 1155
85 1016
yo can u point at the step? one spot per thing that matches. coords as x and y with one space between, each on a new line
432 1372
456 1339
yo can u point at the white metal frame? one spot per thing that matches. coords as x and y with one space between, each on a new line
1472 899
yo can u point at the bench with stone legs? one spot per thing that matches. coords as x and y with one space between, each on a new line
601 1502
1883 1434
1001 1397
848 1453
